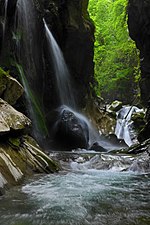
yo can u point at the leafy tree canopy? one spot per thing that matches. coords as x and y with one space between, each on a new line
116 58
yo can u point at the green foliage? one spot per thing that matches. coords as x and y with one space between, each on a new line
3 73
116 59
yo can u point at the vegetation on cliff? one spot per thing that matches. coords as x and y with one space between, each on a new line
116 57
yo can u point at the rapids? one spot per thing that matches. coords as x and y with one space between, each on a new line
88 191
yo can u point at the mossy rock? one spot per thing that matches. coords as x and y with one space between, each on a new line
115 106
10 89
23 161
11 119
139 121
14 142
3 81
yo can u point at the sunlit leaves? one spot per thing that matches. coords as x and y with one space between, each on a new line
116 60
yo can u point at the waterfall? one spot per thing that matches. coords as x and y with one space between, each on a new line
26 32
30 63
61 71
5 18
123 128
4 22
28 45
63 80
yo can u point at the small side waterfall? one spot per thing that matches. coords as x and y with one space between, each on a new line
61 71
123 128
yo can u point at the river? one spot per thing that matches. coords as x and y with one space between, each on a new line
101 189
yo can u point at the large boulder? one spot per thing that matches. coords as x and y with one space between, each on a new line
10 89
11 119
22 157
114 106
70 130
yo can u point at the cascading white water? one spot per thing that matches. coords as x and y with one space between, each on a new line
124 123
64 82
94 192
26 36
25 15
5 18
61 71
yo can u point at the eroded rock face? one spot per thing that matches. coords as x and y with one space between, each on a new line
78 46
22 159
139 29
11 119
70 24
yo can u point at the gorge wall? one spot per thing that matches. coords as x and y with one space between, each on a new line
71 27
139 29
70 24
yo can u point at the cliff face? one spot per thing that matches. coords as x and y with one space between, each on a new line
24 50
139 29
73 31
71 27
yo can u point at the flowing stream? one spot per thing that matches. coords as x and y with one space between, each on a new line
104 190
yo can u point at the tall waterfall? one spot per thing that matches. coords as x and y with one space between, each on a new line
5 18
26 36
29 62
61 71
28 47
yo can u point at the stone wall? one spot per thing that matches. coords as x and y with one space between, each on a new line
139 30
70 24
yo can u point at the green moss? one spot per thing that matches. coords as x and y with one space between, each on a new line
14 142
3 73
84 8
39 116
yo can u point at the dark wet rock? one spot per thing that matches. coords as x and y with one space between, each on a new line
139 30
138 118
70 131
115 106
96 110
144 133
139 148
97 147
